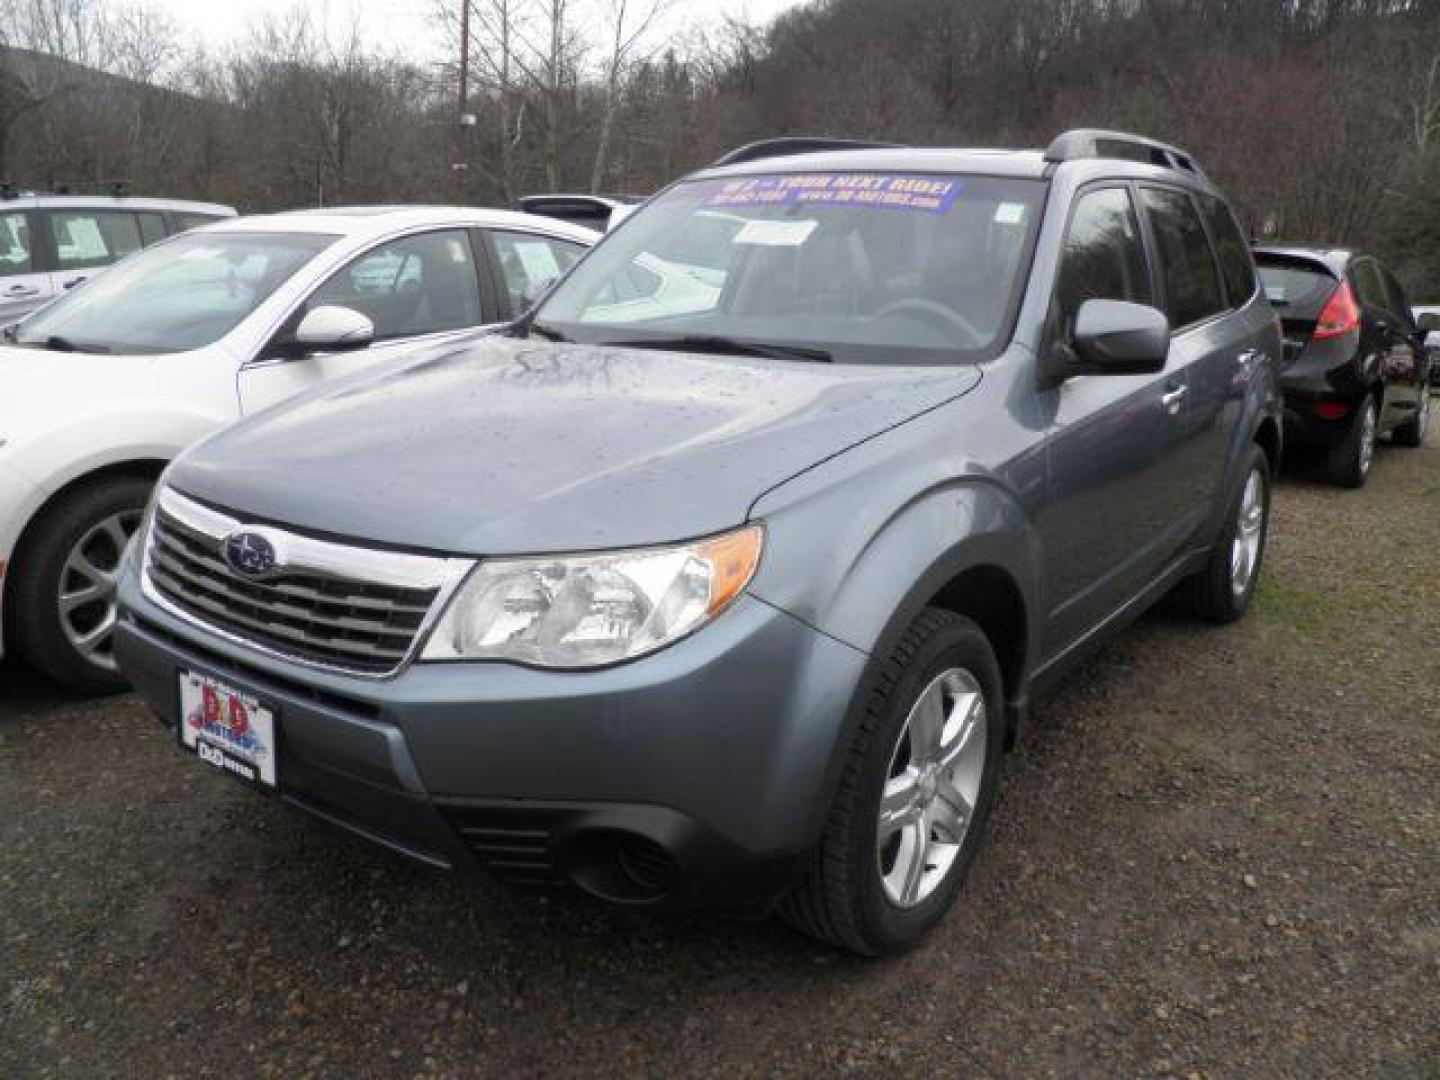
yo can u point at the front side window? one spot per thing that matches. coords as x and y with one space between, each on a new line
420 284
1237 266
183 294
85 239
1192 284
15 256
1103 258
530 262
869 267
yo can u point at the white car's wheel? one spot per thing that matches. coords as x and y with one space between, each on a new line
63 593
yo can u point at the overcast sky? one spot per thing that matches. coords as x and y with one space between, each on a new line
393 22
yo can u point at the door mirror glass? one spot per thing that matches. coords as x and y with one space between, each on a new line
1113 337
332 328
1429 321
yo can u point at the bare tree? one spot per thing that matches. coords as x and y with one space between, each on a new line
631 25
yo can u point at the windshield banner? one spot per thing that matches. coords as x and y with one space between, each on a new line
927 194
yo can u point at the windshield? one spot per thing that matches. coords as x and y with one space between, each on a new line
868 267
180 295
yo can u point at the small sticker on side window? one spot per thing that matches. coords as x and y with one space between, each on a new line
1009 213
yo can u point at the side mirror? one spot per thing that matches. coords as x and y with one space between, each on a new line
331 328
1429 322
1113 337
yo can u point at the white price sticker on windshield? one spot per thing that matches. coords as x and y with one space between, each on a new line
775 233
1009 213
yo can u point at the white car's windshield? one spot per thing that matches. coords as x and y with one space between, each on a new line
180 295
867 266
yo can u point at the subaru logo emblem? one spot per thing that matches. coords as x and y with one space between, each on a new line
250 554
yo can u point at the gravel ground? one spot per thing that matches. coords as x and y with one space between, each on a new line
1217 854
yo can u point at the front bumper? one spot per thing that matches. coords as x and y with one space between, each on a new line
697 775
18 498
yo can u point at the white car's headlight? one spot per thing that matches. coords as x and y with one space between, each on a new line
582 611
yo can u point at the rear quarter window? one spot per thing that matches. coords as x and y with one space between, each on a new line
1236 265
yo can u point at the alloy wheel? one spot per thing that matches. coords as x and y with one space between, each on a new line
1249 529
86 597
932 787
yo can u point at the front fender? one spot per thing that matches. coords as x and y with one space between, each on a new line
859 546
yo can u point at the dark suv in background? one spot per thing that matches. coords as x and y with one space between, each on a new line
1356 366
730 587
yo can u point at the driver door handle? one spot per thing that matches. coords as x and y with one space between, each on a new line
22 290
1173 398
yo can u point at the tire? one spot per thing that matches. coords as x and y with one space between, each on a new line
76 546
1350 460
856 892
1215 594
1412 433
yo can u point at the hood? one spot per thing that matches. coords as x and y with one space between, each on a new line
510 446
37 385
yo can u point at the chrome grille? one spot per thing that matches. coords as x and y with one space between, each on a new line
347 608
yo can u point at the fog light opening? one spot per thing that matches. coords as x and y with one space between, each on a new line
621 867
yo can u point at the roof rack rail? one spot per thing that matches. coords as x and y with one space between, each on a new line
118 189
1096 143
795 144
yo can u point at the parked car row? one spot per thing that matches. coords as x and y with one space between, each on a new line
50 243
718 568
107 384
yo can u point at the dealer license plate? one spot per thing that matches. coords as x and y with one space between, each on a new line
229 729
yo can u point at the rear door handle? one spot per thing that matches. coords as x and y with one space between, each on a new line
72 282
22 290
1173 399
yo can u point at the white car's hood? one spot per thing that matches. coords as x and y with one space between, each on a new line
39 387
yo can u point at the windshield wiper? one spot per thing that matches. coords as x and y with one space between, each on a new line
715 343
56 343
545 332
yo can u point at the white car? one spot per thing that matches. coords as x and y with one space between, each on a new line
99 390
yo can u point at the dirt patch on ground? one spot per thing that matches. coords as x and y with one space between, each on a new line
1217 854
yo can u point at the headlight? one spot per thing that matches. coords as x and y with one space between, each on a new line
580 611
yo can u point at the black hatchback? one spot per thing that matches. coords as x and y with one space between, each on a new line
1355 362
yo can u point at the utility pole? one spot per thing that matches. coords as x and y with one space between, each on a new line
463 119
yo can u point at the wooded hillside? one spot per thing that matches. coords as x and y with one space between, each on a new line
1321 118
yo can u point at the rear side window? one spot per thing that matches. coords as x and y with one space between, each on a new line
15 257
529 262
1187 266
152 227
1297 290
1398 305
1369 287
1236 266
90 238
188 220
1103 258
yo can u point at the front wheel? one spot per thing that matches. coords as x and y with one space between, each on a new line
918 783
1222 591
64 583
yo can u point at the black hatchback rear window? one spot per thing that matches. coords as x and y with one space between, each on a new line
1297 290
